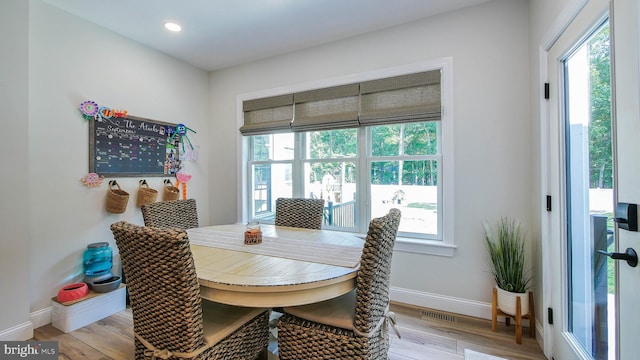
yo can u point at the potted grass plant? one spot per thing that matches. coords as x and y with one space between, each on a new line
505 244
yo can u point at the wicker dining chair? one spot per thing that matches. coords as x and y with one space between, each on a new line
170 320
300 212
354 325
181 214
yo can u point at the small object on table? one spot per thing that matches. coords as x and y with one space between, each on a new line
253 233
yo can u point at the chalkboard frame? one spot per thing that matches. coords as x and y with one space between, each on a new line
134 119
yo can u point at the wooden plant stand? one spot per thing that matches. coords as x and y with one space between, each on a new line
517 317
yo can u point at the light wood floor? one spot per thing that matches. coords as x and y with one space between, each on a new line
425 335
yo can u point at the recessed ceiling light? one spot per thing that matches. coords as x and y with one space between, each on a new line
172 26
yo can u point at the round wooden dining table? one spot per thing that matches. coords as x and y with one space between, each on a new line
292 266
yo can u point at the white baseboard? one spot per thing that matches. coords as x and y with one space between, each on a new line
41 317
24 331
441 302
19 332
451 304
540 335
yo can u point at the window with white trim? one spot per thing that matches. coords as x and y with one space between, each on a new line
362 147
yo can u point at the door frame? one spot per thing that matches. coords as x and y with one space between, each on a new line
625 97
561 23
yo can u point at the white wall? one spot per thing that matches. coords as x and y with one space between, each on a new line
545 17
70 61
492 142
14 231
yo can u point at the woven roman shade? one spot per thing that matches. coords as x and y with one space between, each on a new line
324 109
267 115
401 99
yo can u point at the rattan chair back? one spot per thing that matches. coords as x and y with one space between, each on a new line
299 212
368 338
182 214
166 304
372 284
163 286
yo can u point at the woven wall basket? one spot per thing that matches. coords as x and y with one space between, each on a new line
146 194
170 192
117 198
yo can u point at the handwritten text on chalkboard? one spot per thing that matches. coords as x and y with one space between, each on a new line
132 146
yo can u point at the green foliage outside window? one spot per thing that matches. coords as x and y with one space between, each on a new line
404 140
384 172
600 156
333 144
261 147
421 138
420 173
385 140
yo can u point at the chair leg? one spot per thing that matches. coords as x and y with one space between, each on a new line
263 355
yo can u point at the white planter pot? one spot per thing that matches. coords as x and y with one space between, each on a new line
507 302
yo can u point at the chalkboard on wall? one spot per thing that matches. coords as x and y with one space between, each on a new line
132 146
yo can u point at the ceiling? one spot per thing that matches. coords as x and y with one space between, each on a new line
221 33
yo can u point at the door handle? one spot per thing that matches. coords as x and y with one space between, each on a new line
629 255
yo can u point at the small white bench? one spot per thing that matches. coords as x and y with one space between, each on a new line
73 315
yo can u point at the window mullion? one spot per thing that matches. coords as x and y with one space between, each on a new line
298 164
363 183
406 158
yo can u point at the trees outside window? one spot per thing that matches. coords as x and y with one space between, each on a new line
600 156
399 166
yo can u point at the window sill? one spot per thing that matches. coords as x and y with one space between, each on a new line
427 247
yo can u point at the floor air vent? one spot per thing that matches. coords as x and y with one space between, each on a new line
426 315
